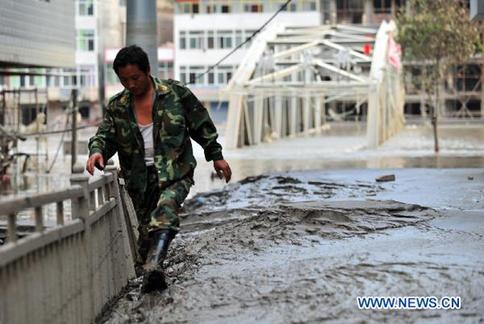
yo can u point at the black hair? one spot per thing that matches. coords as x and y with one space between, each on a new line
131 55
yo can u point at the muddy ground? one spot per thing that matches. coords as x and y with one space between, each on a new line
300 247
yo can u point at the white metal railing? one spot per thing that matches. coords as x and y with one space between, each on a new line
67 273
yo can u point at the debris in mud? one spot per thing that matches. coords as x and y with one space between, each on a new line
286 180
385 178
252 179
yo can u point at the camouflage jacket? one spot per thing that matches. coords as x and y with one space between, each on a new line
177 116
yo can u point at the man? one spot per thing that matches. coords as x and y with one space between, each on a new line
149 125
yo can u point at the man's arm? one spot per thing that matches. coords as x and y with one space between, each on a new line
102 146
203 131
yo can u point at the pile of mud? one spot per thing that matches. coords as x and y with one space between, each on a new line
282 207
270 190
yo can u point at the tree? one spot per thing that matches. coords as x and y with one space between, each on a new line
439 34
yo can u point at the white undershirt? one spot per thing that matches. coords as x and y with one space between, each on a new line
147 133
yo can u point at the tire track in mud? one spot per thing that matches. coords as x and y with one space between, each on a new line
275 258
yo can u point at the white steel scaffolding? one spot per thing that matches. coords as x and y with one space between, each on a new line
290 76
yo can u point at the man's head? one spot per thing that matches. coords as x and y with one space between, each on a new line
133 69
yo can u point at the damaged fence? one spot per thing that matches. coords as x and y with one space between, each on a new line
66 273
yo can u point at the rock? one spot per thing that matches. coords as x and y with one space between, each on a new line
385 178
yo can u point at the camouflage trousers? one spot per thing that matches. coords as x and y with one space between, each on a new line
157 208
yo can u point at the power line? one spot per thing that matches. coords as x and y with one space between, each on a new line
60 131
282 8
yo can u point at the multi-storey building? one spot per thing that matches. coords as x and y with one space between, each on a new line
206 31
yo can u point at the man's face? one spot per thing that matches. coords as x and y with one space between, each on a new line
133 79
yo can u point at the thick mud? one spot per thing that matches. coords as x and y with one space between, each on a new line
300 247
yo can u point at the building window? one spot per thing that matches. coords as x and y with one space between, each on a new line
224 74
69 78
238 37
165 70
85 7
211 78
87 77
309 6
225 8
253 7
52 78
218 76
85 40
183 40
195 39
195 75
224 39
350 11
218 8
188 8
382 6
210 40
183 74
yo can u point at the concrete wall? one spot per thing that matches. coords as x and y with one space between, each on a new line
37 33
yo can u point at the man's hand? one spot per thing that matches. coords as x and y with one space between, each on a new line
95 160
223 169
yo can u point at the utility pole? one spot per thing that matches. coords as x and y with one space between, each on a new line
141 29
74 130
100 59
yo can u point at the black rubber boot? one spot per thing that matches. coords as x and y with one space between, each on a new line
154 278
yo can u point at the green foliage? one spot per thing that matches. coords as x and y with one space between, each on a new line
438 31
438 34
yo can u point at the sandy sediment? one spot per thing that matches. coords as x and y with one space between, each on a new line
299 248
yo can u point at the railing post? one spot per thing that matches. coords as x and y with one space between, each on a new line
128 237
39 220
60 213
12 228
80 209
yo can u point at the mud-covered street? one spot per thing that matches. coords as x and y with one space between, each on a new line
299 247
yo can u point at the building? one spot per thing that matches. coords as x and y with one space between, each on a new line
206 31
24 33
91 27
37 37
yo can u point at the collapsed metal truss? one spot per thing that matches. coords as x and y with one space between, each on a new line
289 75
